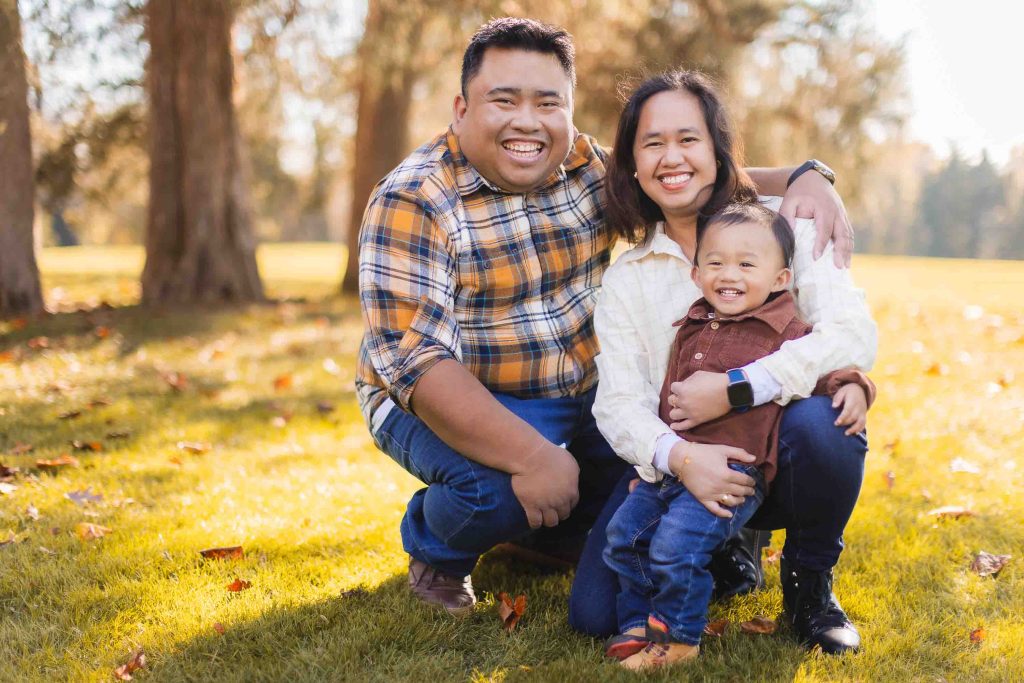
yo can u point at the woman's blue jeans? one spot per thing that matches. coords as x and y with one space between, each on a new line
466 508
812 497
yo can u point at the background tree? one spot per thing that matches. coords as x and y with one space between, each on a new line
200 244
19 276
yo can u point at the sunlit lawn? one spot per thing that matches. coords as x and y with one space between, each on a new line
292 476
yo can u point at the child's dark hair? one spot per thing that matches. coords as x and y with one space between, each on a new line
750 212
518 34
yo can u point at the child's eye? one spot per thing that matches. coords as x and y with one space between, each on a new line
747 264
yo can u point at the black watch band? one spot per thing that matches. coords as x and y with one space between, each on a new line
812 165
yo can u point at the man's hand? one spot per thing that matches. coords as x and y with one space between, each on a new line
700 398
811 196
704 471
547 485
855 408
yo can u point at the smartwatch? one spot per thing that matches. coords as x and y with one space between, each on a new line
740 393
812 165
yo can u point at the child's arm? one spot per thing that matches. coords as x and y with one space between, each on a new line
851 390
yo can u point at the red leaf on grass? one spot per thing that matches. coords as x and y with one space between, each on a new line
509 610
125 671
238 585
986 564
90 532
283 382
219 627
64 460
234 552
716 628
978 635
758 626
951 512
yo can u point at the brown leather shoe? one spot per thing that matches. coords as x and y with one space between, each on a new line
453 593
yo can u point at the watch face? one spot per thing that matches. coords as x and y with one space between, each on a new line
824 170
740 394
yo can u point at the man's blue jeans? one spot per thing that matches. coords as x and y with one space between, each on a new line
466 508
660 542
812 497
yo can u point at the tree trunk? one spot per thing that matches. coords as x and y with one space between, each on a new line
387 73
200 245
19 276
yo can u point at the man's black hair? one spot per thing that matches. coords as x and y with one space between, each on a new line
751 212
518 34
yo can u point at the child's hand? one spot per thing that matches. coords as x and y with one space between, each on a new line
855 408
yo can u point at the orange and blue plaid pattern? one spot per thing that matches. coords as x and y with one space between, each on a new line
452 267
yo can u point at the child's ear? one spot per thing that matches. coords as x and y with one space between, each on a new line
695 275
782 280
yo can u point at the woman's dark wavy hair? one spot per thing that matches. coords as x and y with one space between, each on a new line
629 212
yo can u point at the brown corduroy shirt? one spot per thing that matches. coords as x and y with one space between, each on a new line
707 342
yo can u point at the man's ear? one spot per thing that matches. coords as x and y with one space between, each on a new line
782 280
458 111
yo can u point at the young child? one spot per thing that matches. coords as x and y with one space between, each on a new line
661 539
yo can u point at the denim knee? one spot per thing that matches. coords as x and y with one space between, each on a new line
492 513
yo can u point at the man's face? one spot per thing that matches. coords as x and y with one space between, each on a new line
516 125
739 266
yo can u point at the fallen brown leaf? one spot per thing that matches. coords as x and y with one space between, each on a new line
324 407
7 356
101 332
219 627
175 380
10 539
509 610
890 479
951 512
238 585
83 496
282 382
986 564
88 531
758 626
716 628
8 473
22 448
195 447
64 460
19 323
234 552
118 435
101 401
978 635
33 512
39 343
69 415
80 445
772 555
136 662
175 460
937 370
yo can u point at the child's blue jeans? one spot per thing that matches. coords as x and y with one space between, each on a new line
660 543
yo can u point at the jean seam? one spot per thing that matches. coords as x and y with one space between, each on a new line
638 565
792 503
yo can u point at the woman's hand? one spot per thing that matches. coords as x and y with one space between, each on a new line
700 398
811 196
854 404
704 470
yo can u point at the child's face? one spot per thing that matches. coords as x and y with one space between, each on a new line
739 266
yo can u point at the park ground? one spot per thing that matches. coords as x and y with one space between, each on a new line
194 429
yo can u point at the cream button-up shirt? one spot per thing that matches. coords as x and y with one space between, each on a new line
649 287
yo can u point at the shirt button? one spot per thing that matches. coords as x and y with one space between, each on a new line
714 325
698 355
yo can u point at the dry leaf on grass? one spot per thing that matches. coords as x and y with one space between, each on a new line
219 627
125 671
324 407
64 460
101 332
283 382
7 356
7 489
986 564
33 512
716 628
80 445
234 552
238 585
119 435
195 447
951 512
978 635
937 370
758 626
8 473
890 479
331 367
509 610
9 538
22 448
89 532
771 555
69 415
83 496
39 343
175 380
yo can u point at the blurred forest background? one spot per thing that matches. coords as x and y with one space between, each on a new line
201 127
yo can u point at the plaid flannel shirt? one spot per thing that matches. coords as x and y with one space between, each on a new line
452 267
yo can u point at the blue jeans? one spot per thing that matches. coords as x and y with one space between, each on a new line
660 542
467 508
812 497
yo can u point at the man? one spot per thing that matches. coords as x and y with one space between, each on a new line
479 259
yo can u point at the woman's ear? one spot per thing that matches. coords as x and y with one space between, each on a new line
782 280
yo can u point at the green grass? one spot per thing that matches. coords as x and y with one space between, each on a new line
317 507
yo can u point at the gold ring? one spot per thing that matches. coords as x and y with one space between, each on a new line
724 497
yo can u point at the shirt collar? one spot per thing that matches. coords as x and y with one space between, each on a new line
469 180
777 312
658 243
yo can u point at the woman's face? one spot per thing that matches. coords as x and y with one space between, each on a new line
674 154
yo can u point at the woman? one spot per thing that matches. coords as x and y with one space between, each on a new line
674 164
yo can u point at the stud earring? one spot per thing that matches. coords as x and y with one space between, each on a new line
634 174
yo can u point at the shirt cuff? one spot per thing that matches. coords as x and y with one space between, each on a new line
662 450
766 388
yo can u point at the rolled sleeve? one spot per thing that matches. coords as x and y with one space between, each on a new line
843 334
406 291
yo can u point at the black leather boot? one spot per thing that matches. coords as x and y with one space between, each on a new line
736 565
813 612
